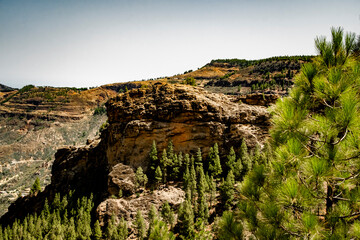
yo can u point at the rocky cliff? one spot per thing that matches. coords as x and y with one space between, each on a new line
191 117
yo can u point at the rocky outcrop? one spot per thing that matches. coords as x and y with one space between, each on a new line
122 177
127 207
191 117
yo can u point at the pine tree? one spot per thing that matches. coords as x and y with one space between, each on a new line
309 189
198 160
70 232
97 230
140 177
153 216
175 168
201 232
167 214
56 231
186 219
170 151
158 175
238 169
160 231
180 162
36 187
227 190
186 178
122 229
154 162
230 160
203 208
214 161
244 162
46 209
56 202
212 187
187 160
229 227
192 182
111 229
257 157
83 227
140 225
164 162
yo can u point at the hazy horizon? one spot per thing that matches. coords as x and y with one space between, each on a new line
92 43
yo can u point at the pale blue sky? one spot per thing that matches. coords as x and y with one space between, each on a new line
86 43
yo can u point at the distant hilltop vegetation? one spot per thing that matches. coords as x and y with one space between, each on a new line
242 77
4 88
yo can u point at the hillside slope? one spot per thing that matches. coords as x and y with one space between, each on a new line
35 121
241 77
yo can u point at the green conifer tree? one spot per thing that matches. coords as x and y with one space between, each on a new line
228 227
97 231
187 160
230 160
46 209
227 190
214 161
305 192
160 231
186 178
36 187
153 216
192 183
70 232
111 229
203 208
175 168
186 219
170 151
158 175
198 159
164 162
167 214
140 226
244 162
212 187
153 159
122 229
140 177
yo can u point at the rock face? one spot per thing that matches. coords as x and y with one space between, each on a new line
188 116
127 207
122 177
191 117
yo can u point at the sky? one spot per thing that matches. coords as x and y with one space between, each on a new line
86 43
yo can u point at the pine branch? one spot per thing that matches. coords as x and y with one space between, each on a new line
340 198
344 179
349 158
310 191
341 139
351 215
290 232
312 139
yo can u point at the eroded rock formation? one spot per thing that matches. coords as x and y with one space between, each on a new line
191 117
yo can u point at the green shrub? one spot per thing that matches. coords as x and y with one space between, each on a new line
190 81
